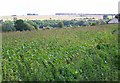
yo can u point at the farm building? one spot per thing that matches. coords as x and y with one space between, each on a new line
113 21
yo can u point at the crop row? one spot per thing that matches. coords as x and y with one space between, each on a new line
73 54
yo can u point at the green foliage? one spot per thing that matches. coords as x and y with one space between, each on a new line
20 25
93 24
33 24
8 26
66 54
61 24
28 26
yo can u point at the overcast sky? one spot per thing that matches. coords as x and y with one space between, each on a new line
50 7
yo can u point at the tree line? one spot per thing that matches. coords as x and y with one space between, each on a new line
23 25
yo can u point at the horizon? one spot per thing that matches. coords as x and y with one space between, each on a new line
46 7
60 15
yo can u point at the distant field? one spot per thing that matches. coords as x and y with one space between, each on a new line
45 17
41 17
65 54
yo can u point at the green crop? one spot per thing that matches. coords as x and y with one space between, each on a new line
66 54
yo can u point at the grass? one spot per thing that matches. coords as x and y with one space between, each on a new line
72 54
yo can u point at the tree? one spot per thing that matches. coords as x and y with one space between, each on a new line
28 27
8 26
20 25
33 24
93 24
79 23
66 23
61 24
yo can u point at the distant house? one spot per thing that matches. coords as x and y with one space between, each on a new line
113 21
